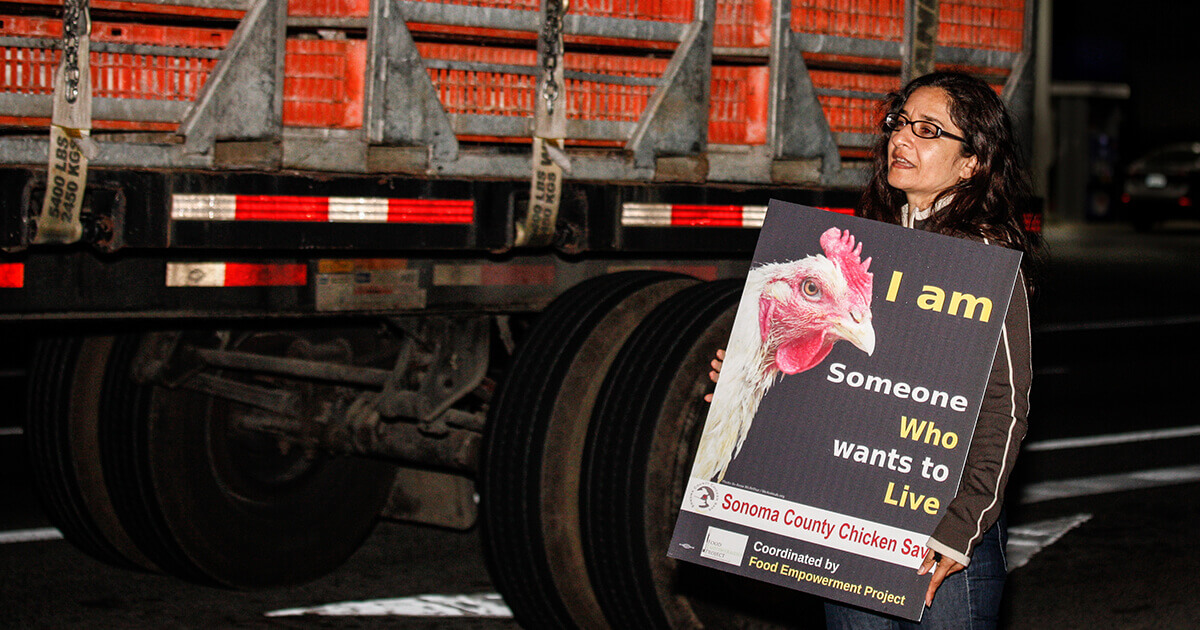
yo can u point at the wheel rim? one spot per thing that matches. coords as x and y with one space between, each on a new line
211 503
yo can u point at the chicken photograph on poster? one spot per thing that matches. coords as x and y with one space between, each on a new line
791 315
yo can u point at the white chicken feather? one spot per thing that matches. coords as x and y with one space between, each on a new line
789 317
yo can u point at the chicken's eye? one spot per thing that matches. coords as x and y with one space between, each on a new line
811 289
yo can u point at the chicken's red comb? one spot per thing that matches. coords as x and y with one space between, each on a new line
840 248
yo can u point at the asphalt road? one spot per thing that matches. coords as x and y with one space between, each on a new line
1103 510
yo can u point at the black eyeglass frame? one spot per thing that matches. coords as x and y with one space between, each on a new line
892 123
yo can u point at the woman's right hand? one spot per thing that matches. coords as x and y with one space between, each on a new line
716 371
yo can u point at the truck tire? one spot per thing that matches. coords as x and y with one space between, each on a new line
223 506
65 380
533 444
639 451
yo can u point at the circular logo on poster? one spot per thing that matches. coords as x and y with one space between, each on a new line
703 497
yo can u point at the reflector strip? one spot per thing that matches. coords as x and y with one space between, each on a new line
321 209
689 215
215 274
12 275
693 215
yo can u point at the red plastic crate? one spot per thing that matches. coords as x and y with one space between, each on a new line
116 75
738 105
658 10
120 32
507 94
137 8
853 114
329 8
986 24
738 111
861 19
680 11
324 82
742 24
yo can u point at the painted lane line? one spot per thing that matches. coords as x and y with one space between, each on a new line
30 535
1105 484
1025 541
481 605
1118 324
11 431
1113 438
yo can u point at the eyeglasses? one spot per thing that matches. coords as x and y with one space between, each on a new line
922 128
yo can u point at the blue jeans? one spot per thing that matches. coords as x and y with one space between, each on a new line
967 600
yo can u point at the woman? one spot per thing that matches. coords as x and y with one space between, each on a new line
948 163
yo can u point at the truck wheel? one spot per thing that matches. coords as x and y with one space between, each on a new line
639 451
533 444
65 379
219 505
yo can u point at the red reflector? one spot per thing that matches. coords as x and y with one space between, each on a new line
1033 222
1125 197
845 211
255 275
12 275
1185 201
282 208
712 216
431 210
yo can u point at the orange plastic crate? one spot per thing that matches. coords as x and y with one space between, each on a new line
116 75
987 24
509 94
738 105
651 10
681 11
329 8
658 10
742 24
738 111
137 8
853 114
119 32
862 19
324 82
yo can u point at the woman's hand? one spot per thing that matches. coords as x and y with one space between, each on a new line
716 371
941 567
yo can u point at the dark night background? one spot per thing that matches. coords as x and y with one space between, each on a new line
1149 45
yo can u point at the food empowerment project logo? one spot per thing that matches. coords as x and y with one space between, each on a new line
803 308
704 498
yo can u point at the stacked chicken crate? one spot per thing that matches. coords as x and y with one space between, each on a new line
484 69
852 49
156 58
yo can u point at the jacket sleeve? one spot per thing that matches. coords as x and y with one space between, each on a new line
997 438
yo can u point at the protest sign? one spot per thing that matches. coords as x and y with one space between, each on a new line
841 421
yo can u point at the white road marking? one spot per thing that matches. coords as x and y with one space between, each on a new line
1024 541
30 535
1104 484
479 605
1113 438
1118 324
11 431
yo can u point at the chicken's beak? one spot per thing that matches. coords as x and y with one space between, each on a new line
857 329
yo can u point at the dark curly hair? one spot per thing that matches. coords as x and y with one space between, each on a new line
992 202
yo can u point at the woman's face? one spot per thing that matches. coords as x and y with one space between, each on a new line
924 167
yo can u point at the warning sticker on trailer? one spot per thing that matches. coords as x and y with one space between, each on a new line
368 285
